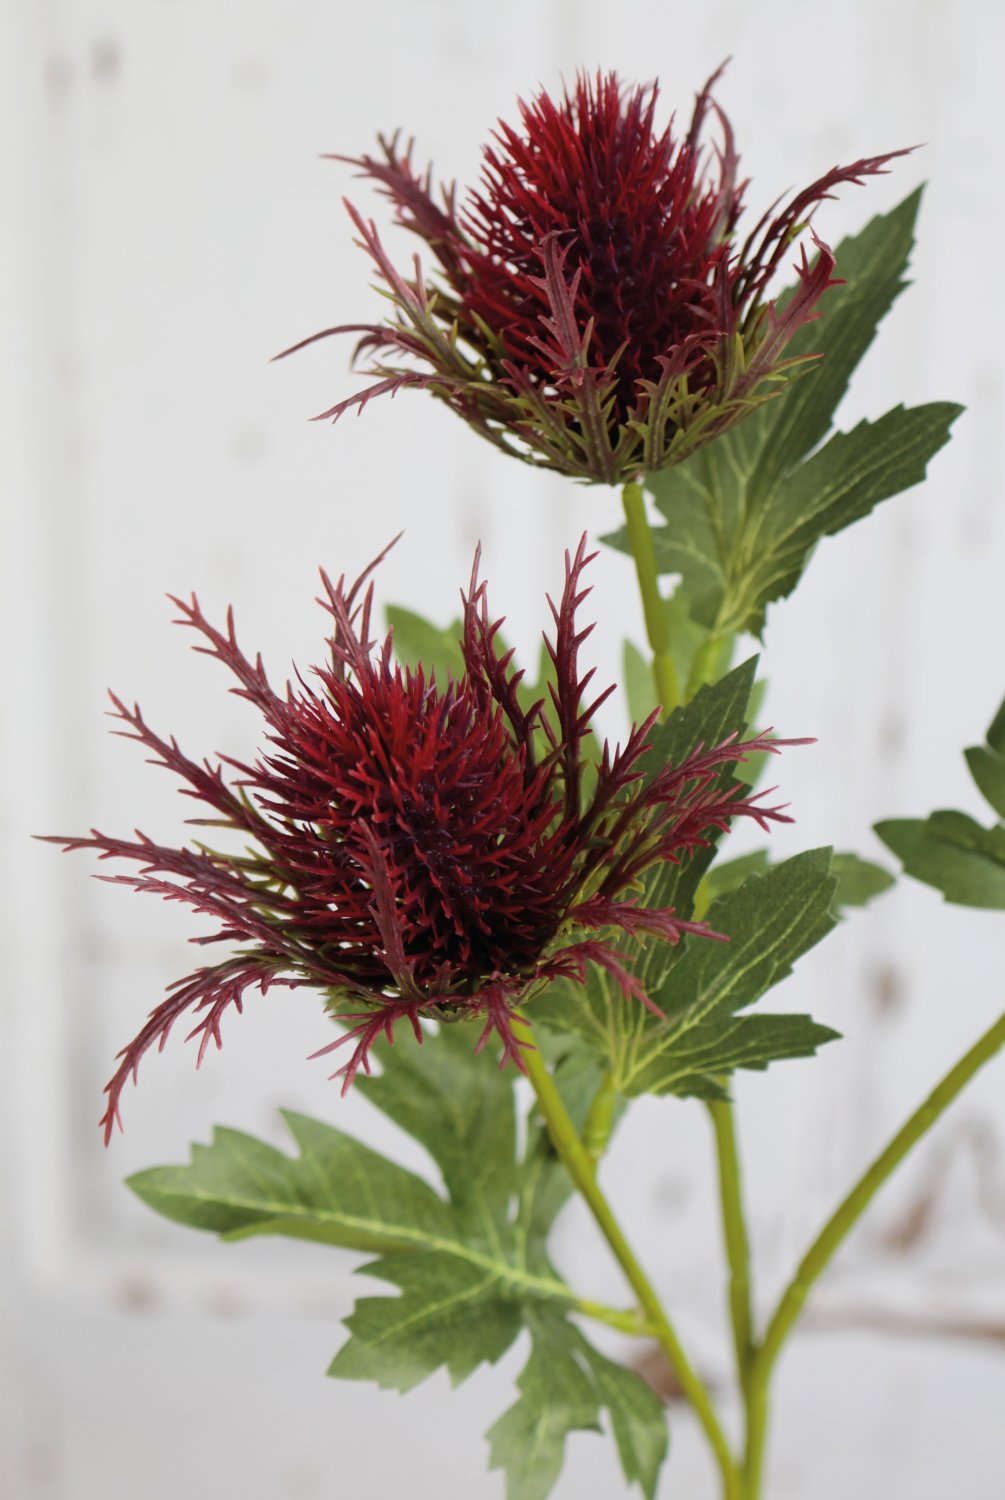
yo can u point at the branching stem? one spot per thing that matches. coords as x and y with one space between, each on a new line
581 1168
838 1226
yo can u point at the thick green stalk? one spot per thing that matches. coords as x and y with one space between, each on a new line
735 1235
844 1219
640 540
580 1166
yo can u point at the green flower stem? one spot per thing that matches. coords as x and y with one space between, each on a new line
704 665
600 1120
640 539
580 1166
842 1221
735 1235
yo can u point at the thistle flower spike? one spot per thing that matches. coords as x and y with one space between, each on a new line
409 847
593 308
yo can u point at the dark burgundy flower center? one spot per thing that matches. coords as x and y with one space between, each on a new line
464 831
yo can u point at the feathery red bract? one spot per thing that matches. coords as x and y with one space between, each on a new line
594 310
411 847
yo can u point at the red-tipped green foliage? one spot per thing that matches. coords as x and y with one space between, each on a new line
412 847
594 309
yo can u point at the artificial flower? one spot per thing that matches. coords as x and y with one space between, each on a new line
594 308
411 847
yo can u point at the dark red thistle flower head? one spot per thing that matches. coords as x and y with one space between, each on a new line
594 311
411 847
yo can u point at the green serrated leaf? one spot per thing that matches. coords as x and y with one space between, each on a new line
744 513
597 1012
770 921
564 1386
557 1397
872 266
637 1420
449 1313
953 853
417 640
751 1043
459 1105
859 881
336 1191
717 711
839 485
738 553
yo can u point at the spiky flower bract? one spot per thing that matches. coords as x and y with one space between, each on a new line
420 848
594 310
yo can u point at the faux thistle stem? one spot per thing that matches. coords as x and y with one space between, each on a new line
840 1224
640 540
580 1166
734 1234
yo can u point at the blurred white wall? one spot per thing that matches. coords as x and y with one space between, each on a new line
167 227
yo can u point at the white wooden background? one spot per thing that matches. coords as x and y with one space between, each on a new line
167 227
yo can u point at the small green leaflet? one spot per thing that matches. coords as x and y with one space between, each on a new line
564 1386
771 919
597 1013
418 642
770 922
987 763
951 850
858 880
744 513
470 1267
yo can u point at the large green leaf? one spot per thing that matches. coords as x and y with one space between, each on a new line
744 513
337 1191
450 1313
564 1386
469 1268
770 921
